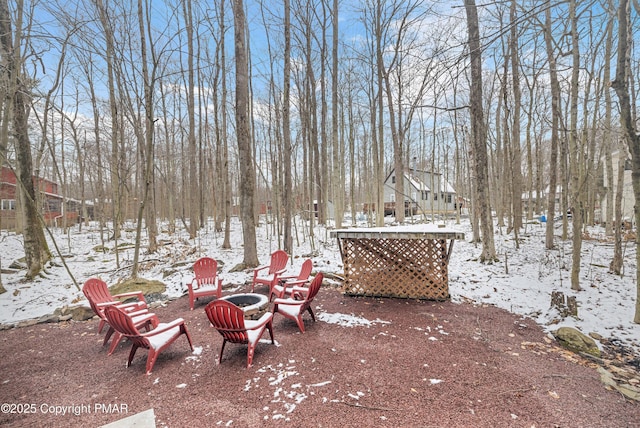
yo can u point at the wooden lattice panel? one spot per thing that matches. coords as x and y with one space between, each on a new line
407 268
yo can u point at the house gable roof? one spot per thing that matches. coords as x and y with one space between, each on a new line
418 184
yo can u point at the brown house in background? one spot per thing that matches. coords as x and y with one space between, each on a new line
55 208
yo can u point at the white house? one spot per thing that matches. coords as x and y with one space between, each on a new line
628 200
425 192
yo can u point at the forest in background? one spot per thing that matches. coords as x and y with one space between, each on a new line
184 110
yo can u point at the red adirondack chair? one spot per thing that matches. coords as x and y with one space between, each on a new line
229 320
99 297
276 267
155 340
285 283
299 302
206 281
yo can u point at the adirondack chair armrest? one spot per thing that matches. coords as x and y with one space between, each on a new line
280 272
175 323
299 291
259 323
259 268
105 304
146 317
137 294
287 301
299 295
140 312
298 283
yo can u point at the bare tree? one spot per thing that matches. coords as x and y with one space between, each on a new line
628 122
225 141
555 119
194 200
247 169
616 262
575 151
336 179
479 135
286 131
516 152
147 151
114 161
11 44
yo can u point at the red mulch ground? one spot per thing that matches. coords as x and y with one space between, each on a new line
486 368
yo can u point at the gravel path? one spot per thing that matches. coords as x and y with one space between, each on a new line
399 363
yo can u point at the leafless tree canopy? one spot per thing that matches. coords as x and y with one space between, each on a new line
174 112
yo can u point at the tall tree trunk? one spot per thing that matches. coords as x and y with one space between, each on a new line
323 194
147 152
194 164
114 161
577 205
36 249
627 122
99 186
516 152
555 119
379 155
286 132
607 137
169 169
225 147
616 263
245 158
479 135
338 163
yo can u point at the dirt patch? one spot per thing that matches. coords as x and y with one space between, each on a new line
399 363
139 284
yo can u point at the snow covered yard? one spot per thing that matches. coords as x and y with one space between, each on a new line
521 282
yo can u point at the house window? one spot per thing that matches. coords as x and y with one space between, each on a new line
425 195
8 204
53 205
393 179
435 196
449 198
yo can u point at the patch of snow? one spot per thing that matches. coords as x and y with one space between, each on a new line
345 320
327 382
521 282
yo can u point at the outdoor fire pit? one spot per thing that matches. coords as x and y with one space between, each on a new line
253 305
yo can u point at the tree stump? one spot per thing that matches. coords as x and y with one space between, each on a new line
557 300
572 306
566 307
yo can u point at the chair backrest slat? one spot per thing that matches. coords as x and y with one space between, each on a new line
279 259
122 323
314 287
96 292
228 319
205 270
305 270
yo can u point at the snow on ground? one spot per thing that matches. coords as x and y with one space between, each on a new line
521 282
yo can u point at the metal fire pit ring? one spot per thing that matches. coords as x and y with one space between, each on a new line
252 304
